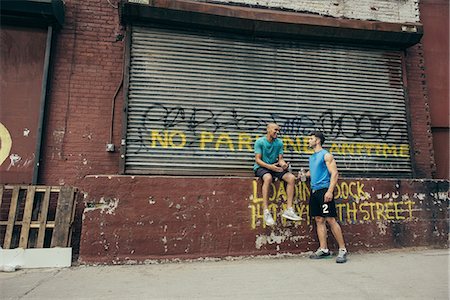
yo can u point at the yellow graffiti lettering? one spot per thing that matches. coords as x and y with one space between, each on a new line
410 204
348 211
205 137
403 151
380 211
339 208
360 191
366 215
224 138
245 139
350 186
344 190
281 192
359 148
306 148
163 140
272 189
398 210
288 142
168 138
255 193
5 143
348 149
389 150
335 149
181 137
388 210
351 211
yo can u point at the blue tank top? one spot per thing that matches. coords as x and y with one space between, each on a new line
320 176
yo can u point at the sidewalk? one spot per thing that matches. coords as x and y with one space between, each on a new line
396 274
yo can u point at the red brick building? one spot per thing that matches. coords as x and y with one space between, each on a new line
150 109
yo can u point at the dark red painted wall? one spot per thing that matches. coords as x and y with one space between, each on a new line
22 54
434 15
134 219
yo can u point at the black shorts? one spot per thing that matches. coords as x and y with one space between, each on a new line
319 208
260 172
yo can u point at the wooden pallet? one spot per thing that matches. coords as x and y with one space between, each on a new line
37 216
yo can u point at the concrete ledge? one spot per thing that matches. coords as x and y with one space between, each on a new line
19 258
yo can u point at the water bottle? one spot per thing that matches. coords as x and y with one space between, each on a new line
290 167
302 174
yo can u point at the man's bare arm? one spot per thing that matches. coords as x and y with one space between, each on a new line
332 168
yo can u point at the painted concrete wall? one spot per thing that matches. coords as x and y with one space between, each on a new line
379 10
136 219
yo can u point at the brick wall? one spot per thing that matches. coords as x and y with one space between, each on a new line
379 10
87 69
421 138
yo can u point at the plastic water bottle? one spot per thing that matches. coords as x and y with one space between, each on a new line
302 174
289 167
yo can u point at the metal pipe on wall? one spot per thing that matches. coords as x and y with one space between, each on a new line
43 101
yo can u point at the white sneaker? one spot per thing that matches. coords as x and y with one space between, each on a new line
268 218
342 256
291 215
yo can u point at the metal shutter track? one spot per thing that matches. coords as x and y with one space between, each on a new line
194 82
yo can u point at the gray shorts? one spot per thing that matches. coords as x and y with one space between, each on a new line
261 171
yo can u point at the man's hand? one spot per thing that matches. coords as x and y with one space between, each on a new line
284 166
276 168
328 197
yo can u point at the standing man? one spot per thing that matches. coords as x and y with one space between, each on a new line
324 175
269 164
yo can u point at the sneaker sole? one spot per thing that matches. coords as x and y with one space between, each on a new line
291 218
320 257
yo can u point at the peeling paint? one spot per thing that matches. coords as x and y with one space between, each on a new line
420 196
273 238
382 227
105 205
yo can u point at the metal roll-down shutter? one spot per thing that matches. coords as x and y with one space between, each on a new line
197 101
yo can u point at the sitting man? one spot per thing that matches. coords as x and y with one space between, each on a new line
269 163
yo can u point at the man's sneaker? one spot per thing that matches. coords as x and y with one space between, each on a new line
291 215
320 253
342 256
268 218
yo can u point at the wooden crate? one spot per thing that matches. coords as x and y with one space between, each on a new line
36 216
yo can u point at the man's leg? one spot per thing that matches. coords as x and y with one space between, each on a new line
323 251
267 215
289 213
321 232
289 178
267 181
337 232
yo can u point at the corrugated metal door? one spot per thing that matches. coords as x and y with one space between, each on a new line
197 102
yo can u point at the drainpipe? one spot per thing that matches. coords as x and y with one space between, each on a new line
39 134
